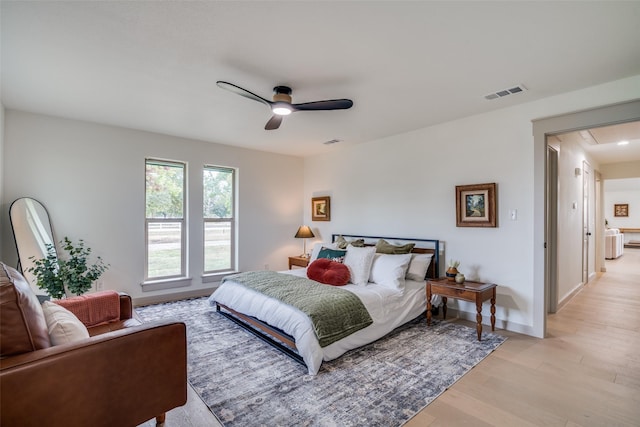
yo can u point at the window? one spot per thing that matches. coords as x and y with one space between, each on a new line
165 220
219 223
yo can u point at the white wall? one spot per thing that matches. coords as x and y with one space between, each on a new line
91 179
404 186
571 211
621 170
3 235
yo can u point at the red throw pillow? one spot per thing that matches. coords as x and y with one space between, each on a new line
329 272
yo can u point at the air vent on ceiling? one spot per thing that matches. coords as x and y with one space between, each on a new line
505 92
587 137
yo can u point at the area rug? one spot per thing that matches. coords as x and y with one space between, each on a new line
246 382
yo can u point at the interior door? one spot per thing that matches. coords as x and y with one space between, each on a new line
586 216
551 234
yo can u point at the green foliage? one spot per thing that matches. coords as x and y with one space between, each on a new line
164 190
218 193
46 272
54 273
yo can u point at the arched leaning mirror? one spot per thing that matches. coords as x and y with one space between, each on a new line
32 232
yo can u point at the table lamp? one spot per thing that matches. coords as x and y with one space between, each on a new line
304 232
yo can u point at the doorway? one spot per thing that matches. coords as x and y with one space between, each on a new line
544 243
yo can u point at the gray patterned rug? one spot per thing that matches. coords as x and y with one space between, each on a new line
246 382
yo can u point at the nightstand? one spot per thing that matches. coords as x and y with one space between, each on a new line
298 261
468 291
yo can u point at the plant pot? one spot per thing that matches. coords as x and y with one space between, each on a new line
451 273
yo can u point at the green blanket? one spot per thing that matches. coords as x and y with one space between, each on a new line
335 313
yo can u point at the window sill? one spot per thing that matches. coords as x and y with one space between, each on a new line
158 285
216 277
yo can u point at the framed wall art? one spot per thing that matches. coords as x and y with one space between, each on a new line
476 205
621 210
321 209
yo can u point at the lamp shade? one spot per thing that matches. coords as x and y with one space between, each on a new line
304 232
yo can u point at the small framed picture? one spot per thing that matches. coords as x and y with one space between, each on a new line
321 209
476 205
621 210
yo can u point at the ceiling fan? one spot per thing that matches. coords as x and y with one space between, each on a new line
281 104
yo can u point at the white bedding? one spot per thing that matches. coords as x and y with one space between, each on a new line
387 307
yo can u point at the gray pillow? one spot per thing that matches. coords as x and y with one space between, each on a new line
342 243
384 247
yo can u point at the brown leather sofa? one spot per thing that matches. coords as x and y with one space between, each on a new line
126 373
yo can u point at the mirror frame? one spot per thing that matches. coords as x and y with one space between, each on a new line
32 230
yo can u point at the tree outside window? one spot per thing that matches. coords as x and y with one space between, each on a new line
219 222
165 219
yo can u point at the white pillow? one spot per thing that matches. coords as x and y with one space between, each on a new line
317 247
418 266
359 261
389 270
64 327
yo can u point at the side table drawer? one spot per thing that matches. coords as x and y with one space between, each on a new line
463 294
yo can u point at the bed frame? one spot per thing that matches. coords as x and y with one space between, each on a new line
285 342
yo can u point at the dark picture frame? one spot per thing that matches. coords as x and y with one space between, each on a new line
621 209
321 208
476 205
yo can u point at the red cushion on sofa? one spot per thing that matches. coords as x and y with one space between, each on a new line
329 272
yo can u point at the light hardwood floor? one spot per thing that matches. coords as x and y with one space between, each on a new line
585 373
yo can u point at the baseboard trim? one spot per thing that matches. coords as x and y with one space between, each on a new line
506 325
159 299
569 296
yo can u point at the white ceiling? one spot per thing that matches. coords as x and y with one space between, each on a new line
406 65
605 144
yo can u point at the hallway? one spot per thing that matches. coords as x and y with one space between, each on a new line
585 373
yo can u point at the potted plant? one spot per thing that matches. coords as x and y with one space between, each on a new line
58 276
452 270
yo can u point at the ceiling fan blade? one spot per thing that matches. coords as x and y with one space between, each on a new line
273 123
243 92
331 104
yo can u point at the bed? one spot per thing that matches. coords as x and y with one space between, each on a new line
392 293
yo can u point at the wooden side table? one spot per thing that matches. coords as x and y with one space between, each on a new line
469 291
298 261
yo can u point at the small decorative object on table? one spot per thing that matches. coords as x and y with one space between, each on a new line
452 270
459 278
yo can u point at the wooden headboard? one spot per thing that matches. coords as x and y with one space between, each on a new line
422 246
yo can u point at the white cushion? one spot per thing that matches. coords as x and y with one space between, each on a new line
64 327
418 266
389 270
359 261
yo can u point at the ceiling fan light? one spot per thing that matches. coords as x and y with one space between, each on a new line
281 109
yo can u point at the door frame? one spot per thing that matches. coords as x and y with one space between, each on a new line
551 231
602 116
587 213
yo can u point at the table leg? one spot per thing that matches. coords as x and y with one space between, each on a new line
493 310
428 304
444 308
479 319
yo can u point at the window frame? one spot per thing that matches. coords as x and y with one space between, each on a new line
182 221
230 220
